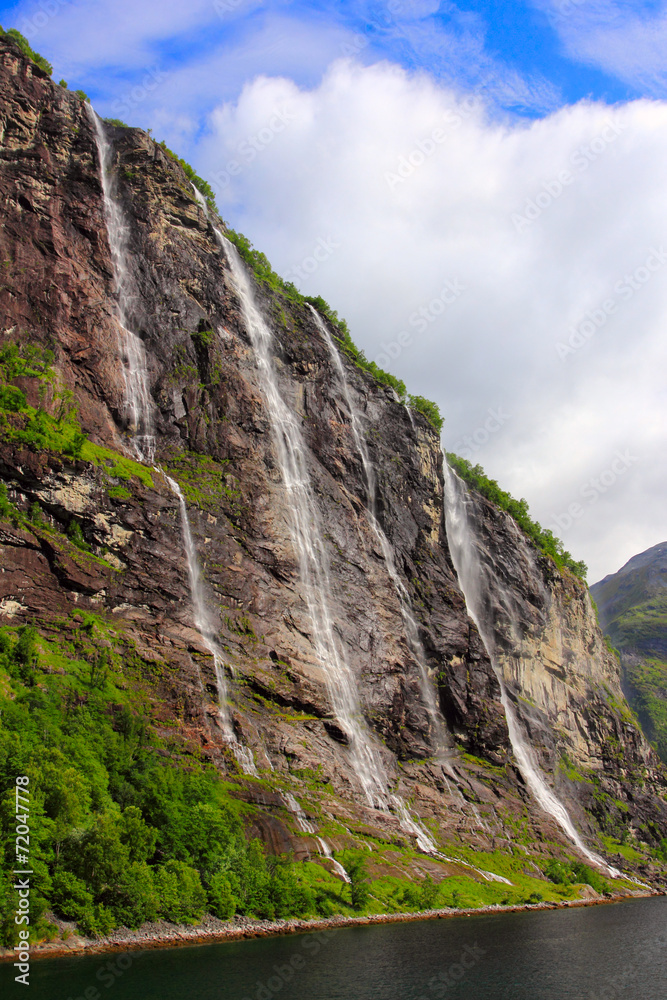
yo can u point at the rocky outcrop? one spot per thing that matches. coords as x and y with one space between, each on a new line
214 437
565 682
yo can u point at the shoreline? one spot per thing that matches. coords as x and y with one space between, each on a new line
214 931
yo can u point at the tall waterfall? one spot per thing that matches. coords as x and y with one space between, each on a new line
138 404
475 586
409 620
139 407
309 545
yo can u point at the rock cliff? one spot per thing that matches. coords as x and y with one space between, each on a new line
214 438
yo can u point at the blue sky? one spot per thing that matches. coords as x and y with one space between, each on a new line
542 200
529 57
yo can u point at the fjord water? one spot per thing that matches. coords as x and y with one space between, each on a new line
596 953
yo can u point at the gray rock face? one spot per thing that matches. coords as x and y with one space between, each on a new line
214 437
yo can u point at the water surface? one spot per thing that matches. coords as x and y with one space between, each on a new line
596 953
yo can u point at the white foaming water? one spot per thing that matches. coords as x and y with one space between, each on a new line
409 620
325 850
473 582
304 825
207 633
138 403
313 560
309 545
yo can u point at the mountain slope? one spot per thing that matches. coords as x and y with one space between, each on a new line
632 606
99 559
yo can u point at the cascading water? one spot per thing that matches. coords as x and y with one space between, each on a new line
473 583
309 545
138 407
207 633
409 620
313 560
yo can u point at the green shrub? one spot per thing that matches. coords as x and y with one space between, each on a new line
182 897
12 399
221 899
202 186
429 409
25 48
542 538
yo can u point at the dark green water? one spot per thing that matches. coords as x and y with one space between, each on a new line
598 953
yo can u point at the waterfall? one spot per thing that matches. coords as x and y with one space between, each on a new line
207 632
409 620
138 403
325 851
475 587
139 408
309 544
313 559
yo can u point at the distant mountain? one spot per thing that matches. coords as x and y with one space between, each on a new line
632 605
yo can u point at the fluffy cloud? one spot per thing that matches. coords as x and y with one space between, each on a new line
515 273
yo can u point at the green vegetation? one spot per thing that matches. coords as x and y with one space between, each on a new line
646 678
575 872
633 613
117 122
541 537
202 186
429 409
25 48
60 431
124 826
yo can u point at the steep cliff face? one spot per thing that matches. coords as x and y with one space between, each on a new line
632 605
565 682
214 437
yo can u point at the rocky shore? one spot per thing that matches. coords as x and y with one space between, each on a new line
161 934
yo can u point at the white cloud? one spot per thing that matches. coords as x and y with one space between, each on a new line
625 40
588 183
